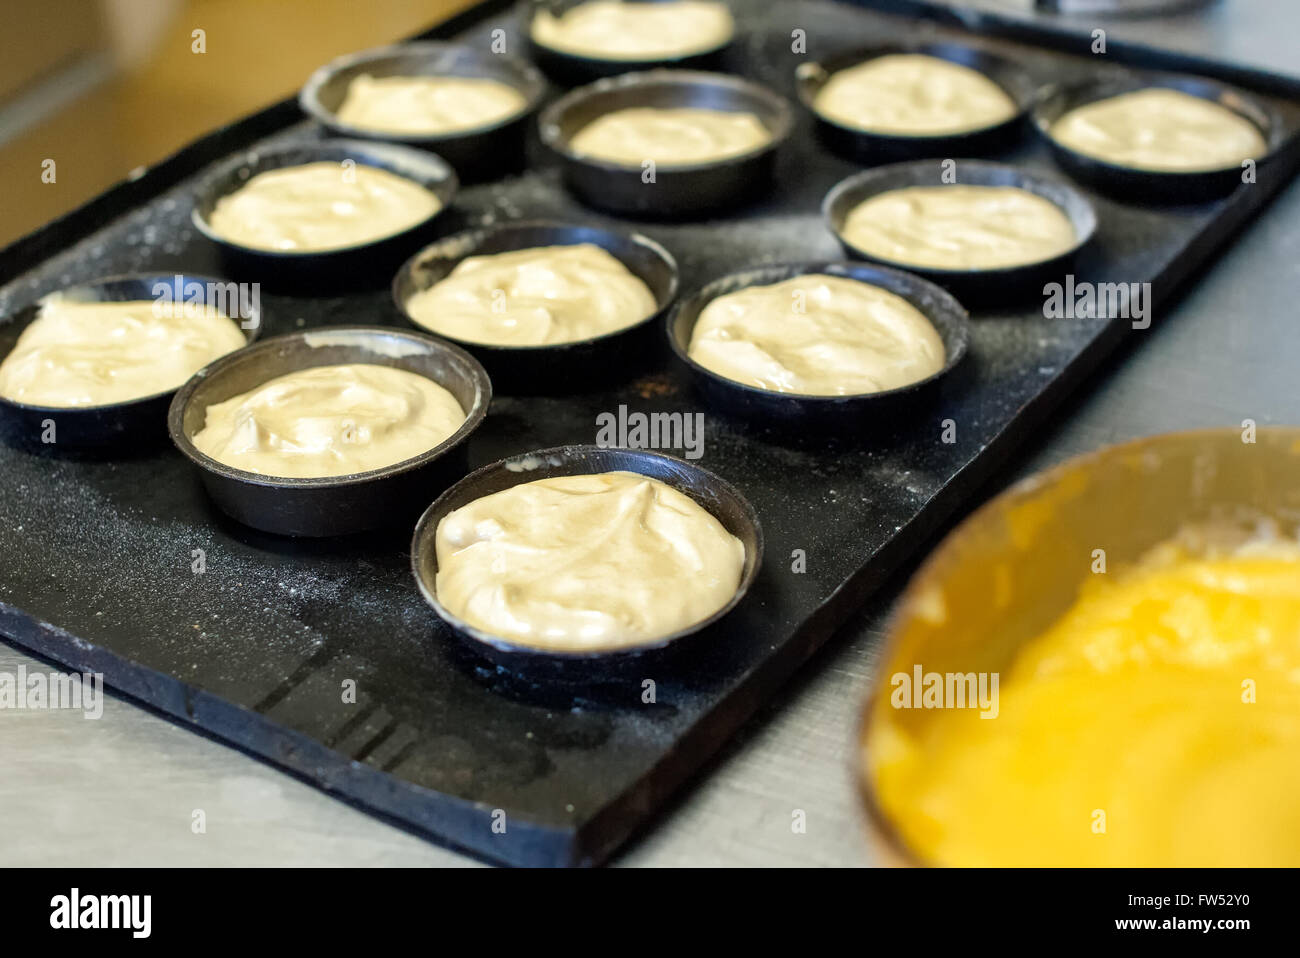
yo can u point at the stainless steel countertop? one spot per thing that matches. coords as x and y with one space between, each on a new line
123 790
1251 33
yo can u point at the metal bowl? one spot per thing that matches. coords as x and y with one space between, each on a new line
768 408
971 286
479 153
866 146
334 269
134 421
678 191
1152 186
331 505
544 368
569 69
716 495
1013 567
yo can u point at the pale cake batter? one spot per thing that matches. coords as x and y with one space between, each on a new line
817 335
320 206
94 354
591 563
330 421
531 297
1161 130
427 105
911 94
607 30
959 227
673 136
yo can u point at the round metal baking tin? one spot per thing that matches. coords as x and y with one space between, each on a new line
324 270
1152 186
477 153
971 286
677 191
331 505
1164 483
868 146
767 407
714 494
560 365
135 420
568 69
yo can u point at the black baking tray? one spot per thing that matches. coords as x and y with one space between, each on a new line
97 553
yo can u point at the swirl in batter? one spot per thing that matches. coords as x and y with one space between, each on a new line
320 206
532 297
590 563
817 335
330 421
95 354
1162 130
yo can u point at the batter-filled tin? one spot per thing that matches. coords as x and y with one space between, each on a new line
135 422
559 366
717 496
479 152
667 191
331 505
359 265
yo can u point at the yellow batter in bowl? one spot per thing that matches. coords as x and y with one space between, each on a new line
1156 722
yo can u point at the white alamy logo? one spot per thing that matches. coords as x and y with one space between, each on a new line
1071 300
920 689
656 430
75 910
179 298
53 690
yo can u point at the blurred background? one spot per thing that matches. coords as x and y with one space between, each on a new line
105 86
